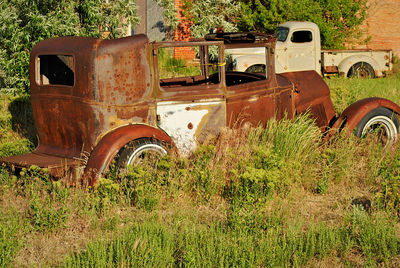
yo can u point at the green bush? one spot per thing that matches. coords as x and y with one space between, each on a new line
338 20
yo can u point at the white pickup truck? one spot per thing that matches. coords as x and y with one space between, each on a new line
298 48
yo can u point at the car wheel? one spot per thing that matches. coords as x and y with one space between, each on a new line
381 121
137 151
361 70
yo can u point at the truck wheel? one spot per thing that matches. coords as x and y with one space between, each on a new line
381 121
138 150
257 68
361 70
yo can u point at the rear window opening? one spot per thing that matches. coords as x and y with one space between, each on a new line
55 70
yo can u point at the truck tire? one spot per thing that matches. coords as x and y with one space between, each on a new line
361 70
257 68
382 120
136 151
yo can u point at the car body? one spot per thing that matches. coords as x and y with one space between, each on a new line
92 97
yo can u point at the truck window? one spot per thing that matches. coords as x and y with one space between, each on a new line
282 33
301 37
55 70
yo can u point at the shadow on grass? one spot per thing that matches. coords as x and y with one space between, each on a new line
22 118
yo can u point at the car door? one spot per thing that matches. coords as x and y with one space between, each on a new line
250 96
190 97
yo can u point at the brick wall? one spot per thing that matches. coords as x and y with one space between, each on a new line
383 25
182 33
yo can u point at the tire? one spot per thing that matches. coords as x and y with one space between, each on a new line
257 68
136 151
361 70
382 120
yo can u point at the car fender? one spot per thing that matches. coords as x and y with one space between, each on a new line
345 65
353 114
102 155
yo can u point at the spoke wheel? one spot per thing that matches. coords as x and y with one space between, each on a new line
361 70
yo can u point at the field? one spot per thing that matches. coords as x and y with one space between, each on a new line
254 197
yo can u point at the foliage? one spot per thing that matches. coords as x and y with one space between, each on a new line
25 23
14 123
10 226
171 19
209 14
388 196
338 20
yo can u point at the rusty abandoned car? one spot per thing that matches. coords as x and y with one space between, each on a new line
99 96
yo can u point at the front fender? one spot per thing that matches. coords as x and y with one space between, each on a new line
345 65
102 155
244 62
353 114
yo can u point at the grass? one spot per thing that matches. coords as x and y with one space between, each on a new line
253 197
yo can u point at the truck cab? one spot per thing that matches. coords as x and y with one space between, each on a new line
298 47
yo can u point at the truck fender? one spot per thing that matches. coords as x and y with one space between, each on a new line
345 65
353 114
102 155
244 62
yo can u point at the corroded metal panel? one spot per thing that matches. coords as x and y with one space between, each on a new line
104 93
251 102
189 124
312 94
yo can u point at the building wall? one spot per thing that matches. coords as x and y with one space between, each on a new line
151 20
383 25
182 33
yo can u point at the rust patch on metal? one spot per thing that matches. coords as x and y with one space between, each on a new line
331 69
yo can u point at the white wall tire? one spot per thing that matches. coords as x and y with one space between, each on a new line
136 151
380 119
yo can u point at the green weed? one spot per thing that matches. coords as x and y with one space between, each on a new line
154 243
11 229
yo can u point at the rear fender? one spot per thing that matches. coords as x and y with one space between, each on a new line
353 114
347 63
102 155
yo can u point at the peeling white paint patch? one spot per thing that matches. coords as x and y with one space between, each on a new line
181 120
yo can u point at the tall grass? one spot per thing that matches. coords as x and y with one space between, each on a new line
346 91
156 244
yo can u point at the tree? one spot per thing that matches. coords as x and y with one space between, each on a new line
24 23
208 14
338 20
